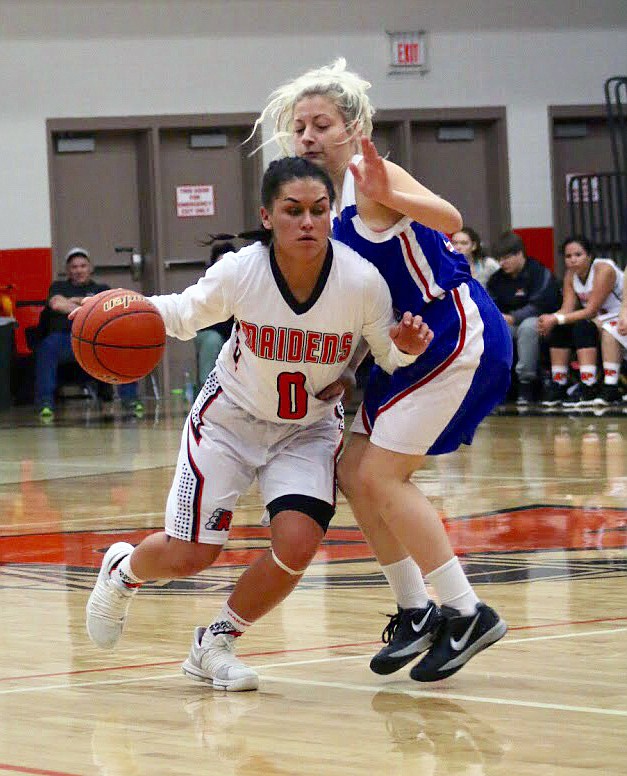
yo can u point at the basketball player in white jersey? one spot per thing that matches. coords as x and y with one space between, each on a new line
592 287
301 305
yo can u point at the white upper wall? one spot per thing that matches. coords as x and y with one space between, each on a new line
61 58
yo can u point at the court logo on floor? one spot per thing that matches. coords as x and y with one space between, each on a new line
527 544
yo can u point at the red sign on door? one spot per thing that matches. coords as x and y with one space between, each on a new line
194 201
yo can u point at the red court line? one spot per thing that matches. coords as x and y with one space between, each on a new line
285 651
37 771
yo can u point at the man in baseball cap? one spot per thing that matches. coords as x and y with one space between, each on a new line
76 251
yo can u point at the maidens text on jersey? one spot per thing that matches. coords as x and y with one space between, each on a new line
296 345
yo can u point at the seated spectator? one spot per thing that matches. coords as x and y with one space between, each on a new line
468 242
592 287
55 347
522 289
209 341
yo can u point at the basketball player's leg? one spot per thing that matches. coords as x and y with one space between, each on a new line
160 556
426 420
612 355
300 501
271 578
207 483
410 630
126 568
382 541
384 478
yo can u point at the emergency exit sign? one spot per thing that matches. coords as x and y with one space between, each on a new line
407 52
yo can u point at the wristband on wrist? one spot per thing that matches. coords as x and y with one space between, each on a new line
560 318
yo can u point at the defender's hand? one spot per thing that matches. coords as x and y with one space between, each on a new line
372 180
343 386
411 334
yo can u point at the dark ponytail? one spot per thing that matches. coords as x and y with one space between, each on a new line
261 234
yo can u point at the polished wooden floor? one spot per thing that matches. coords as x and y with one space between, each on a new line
537 508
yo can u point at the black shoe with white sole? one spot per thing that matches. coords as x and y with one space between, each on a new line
608 395
457 640
407 634
555 395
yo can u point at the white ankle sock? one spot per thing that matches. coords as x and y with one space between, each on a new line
226 622
124 575
588 373
452 586
407 584
559 374
611 373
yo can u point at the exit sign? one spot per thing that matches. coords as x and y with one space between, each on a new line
407 52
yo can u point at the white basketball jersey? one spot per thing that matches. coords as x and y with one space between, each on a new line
282 352
613 300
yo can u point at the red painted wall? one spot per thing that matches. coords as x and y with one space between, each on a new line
29 272
539 244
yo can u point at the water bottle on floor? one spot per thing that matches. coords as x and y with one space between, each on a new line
188 388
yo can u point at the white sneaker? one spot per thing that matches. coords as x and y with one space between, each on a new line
109 601
217 664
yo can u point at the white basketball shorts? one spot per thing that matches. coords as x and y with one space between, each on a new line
223 448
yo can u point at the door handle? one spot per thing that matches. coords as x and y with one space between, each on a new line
190 263
136 261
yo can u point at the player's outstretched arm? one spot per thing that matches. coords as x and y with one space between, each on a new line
394 188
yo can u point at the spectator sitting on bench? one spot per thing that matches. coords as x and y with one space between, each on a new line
54 347
523 289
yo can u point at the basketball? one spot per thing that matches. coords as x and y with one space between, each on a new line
118 336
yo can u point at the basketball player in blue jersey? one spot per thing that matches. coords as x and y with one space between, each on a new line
428 408
301 303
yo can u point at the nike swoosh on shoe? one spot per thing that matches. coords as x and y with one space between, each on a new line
459 645
422 623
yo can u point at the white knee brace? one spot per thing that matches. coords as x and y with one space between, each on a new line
285 568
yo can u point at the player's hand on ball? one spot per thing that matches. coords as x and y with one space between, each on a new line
86 299
411 334
118 336
90 299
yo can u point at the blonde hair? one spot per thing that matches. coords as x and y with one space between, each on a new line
347 90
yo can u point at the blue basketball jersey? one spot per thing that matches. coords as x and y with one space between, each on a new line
471 343
419 264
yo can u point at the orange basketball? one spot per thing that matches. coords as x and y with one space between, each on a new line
118 337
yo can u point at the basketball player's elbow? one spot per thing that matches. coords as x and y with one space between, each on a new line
453 219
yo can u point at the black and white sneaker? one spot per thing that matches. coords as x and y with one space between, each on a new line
408 633
525 395
608 395
584 397
457 640
555 395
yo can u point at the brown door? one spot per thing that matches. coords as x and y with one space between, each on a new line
580 145
208 186
460 162
96 195
388 137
